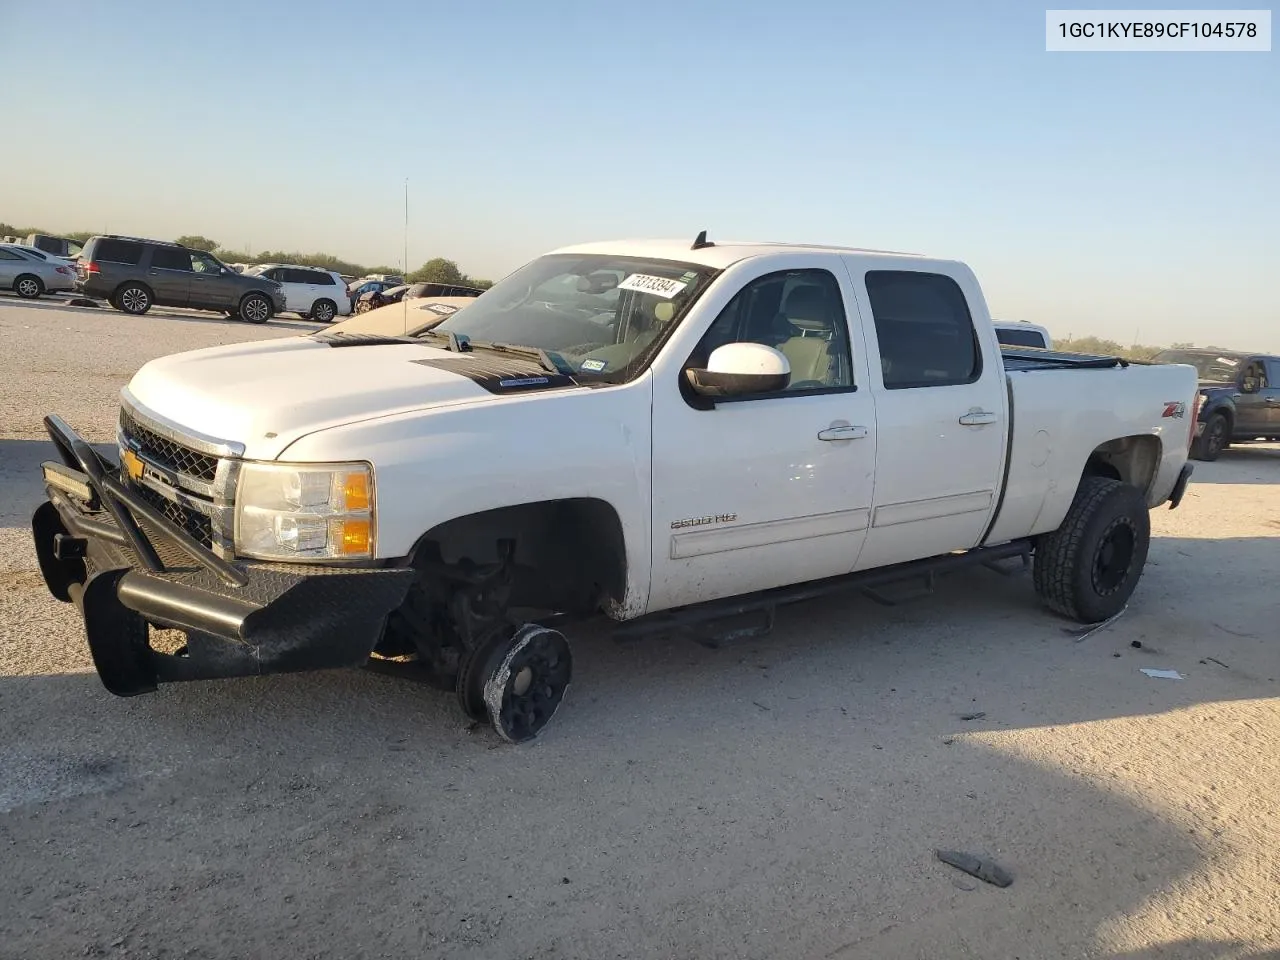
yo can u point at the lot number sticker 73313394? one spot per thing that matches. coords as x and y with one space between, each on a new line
658 286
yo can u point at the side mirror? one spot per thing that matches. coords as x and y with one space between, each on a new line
737 369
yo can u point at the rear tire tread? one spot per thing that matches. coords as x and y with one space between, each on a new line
1056 568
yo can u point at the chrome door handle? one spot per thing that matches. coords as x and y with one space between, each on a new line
845 432
976 417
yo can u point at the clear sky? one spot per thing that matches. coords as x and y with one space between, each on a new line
1127 195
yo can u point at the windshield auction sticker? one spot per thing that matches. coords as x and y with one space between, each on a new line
658 286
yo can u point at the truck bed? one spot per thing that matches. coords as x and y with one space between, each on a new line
1033 358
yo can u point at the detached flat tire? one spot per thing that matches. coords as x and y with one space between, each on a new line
1088 568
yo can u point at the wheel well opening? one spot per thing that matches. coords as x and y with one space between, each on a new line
570 554
1131 460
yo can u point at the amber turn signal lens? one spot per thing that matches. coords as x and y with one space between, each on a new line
355 491
356 537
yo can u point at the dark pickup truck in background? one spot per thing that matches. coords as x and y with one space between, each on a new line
1241 394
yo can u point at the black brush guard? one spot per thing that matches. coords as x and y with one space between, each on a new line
125 565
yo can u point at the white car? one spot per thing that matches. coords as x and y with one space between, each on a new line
657 432
310 292
30 272
403 318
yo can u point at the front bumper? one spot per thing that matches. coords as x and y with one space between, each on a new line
126 567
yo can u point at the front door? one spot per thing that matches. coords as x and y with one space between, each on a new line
170 276
941 415
773 489
1271 394
213 286
1253 412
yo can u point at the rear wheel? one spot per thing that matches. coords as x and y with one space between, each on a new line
1215 438
1089 567
28 286
324 311
255 308
133 298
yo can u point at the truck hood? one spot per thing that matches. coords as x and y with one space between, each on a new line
267 394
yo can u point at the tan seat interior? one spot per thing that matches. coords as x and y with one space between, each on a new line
803 328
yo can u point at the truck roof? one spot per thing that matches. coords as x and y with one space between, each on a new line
721 253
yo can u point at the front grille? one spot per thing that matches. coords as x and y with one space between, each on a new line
167 453
196 524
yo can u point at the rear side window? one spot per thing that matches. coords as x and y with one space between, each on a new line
323 279
170 258
924 328
296 276
118 251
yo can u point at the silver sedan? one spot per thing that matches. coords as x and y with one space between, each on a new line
29 272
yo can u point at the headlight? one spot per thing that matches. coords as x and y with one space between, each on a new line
305 511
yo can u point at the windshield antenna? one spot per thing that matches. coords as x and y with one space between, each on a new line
701 241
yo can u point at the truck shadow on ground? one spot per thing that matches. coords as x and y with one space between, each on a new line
769 797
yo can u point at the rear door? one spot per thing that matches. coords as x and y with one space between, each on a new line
941 411
169 275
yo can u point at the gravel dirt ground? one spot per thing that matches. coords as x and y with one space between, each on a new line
778 797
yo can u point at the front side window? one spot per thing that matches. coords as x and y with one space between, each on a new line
597 316
924 329
203 263
8 255
798 312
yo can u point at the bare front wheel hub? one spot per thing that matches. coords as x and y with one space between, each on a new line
524 680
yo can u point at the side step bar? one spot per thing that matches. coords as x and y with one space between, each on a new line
767 600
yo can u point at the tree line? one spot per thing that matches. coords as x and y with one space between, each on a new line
435 270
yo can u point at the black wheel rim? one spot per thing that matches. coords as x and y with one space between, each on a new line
472 673
1217 435
1114 557
525 687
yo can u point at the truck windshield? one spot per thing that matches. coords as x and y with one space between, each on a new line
1214 366
601 316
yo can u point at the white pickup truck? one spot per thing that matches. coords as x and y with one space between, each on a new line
662 432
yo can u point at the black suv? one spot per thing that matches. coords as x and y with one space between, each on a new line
133 274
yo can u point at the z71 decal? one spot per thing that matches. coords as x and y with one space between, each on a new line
1175 408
